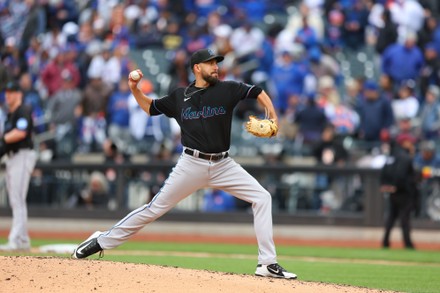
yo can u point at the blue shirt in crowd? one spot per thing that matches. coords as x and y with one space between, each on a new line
402 63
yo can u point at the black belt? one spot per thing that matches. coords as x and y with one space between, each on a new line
209 157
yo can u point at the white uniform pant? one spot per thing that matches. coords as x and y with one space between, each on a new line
19 168
189 175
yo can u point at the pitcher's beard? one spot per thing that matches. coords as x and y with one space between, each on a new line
212 80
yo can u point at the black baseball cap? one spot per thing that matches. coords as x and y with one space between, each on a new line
12 86
204 55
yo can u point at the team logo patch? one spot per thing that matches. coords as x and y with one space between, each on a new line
206 112
22 124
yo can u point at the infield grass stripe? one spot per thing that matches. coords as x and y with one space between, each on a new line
253 257
397 278
396 255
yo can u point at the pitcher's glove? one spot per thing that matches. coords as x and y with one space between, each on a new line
261 127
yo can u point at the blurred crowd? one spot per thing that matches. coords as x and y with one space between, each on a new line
72 58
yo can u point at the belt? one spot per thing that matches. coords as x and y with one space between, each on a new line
209 157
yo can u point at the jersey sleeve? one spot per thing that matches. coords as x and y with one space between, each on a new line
246 91
165 105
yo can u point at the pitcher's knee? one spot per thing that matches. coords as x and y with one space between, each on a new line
263 198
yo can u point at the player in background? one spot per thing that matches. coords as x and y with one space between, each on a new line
17 144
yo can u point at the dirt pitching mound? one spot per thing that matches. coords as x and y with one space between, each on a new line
52 274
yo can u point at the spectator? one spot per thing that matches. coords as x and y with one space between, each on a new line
426 157
178 70
172 37
106 65
118 25
436 38
148 132
94 108
286 38
430 73
202 8
387 33
53 38
197 39
392 57
87 45
351 93
306 35
344 119
406 105
146 35
4 77
425 35
333 40
10 57
35 24
96 193
288 75
425 161
63 11
51 75
376 114
405 132
64 110
323 64
387 87
32 98
355 22
328 96
222 34
143 10
36 59
311 121
327 151
429 114
254 10
113 155
12 14
295 104
409 16
118 116
217 200
245 40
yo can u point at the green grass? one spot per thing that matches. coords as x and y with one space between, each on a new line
393 269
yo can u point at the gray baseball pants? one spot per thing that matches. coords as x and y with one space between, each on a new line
19 168
189 175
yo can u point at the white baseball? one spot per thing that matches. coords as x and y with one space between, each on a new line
134 75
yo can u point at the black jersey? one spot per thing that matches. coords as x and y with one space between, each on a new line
21 119
205 114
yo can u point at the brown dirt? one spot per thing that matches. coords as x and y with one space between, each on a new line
52 274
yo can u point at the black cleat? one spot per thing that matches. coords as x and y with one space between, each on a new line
88 247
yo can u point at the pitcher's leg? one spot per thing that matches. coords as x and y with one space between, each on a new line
187 177
232 178
19 170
